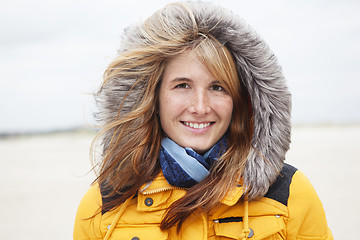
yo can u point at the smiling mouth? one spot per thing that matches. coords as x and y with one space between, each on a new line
197 125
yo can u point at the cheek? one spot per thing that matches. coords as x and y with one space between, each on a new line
163 115
171 103
162 109
163 99
168 108
225 108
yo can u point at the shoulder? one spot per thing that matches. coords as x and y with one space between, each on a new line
306 215
91 202
293 189
291 183
88 215
303 199
280 189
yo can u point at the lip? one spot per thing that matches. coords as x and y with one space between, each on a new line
197 125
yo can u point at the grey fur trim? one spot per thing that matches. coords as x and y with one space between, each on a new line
260 73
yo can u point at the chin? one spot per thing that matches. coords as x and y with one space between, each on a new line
201 150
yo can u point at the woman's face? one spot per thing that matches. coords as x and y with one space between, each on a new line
195 111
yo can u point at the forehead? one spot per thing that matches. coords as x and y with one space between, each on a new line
185 65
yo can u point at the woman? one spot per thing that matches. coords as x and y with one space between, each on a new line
196 120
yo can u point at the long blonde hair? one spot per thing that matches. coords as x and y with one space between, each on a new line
131 139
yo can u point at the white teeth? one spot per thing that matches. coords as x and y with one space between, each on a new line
196 125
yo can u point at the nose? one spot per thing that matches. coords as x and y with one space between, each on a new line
200 103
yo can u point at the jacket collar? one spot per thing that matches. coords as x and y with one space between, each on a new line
159 185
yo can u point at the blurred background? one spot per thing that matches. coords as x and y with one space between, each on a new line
53 54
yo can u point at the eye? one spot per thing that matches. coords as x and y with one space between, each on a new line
182 85
217 88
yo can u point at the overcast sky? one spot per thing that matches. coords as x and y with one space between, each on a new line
53 54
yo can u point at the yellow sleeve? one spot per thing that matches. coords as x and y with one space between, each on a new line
307 218
88 216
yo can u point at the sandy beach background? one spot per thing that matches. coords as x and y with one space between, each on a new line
43 178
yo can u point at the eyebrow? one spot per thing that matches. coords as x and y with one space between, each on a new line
181 79
216 82
185 79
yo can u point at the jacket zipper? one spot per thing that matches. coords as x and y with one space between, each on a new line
159 190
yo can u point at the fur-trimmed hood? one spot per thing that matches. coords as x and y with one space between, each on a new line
261 75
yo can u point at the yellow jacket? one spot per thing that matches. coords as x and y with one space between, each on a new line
291 210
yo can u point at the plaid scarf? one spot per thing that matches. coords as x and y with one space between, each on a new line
183 167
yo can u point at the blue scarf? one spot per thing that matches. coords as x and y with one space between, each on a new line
183 167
